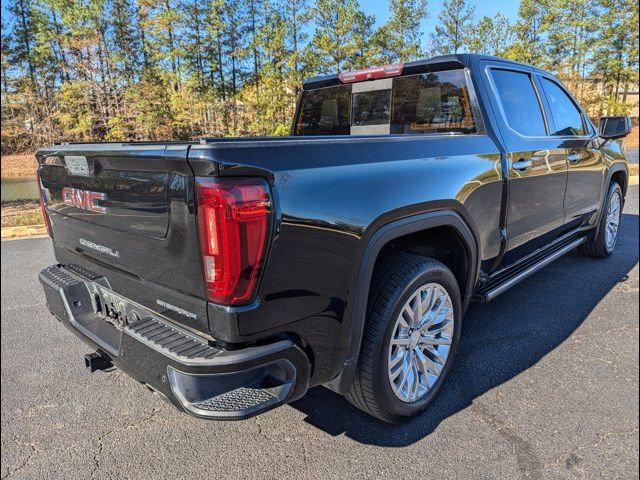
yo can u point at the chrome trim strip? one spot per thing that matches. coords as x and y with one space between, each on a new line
491 294
573 233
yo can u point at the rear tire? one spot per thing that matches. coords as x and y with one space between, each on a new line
603 244
413 324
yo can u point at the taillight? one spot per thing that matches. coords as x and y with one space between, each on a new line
372 73
234 218
43 210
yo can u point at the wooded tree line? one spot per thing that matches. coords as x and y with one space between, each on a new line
176 69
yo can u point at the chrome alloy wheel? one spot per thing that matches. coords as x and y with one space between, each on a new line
613 221
420 342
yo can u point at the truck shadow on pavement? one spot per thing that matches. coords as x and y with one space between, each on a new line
499 341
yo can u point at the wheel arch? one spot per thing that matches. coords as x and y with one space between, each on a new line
356 315
620 174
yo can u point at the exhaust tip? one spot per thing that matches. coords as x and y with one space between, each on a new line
97 361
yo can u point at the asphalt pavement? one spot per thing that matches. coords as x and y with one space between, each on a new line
545 386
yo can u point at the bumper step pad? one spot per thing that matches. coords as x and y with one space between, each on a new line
243 398
58 278
171 341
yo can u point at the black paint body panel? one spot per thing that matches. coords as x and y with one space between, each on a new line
157 259
331 196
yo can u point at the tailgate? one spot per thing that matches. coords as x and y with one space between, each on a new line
125 213
125 190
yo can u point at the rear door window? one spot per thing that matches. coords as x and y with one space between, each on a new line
566 116
520 103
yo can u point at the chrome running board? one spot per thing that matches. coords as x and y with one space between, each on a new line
494 288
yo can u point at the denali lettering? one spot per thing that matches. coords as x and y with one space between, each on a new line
99 248
84 199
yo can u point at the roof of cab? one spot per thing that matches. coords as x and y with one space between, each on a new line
433 64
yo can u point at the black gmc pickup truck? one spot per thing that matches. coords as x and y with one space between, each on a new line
231 275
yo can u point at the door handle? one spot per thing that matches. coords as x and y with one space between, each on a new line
573 157
522 165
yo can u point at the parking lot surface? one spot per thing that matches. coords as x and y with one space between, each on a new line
545 386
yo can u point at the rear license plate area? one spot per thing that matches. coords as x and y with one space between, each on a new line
115 309
87 314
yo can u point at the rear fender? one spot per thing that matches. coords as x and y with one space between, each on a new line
378 240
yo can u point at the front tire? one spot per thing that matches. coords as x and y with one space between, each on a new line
603 244
410 339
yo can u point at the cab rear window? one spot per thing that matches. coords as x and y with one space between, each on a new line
370 108
325 111
436 102
432 103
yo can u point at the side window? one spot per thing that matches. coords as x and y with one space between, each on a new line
566 116
519 101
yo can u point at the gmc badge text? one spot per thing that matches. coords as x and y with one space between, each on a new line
231 275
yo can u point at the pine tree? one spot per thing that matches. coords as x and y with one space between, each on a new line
5 66
235 49
616 53
452 31
125 40
161 20
529 46
24 37
30 51
570 27
253 28
297 18
341 32
490 36
273 110
400 38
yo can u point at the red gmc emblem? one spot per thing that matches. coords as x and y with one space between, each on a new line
84 199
